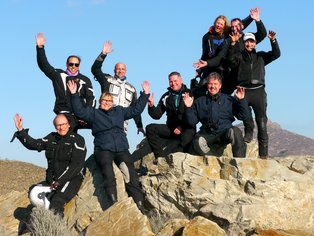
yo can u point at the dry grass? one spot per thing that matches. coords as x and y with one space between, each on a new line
19 176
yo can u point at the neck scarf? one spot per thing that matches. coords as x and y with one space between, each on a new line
72 74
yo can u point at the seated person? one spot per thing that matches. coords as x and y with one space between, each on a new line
175 128
65 153
216 113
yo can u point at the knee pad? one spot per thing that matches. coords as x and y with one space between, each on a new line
125 172
231 136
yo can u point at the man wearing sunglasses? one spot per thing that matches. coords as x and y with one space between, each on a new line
124 93
60 77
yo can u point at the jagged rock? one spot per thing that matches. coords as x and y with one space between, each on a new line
202 227
90 208
173 227
239 194
123 218
243 196
13 208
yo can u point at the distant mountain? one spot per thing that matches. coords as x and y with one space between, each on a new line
284 143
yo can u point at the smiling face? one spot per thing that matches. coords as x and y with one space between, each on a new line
73 64
105 101
120 70
61 124
220 26
175 82
236 26
249 45
214 83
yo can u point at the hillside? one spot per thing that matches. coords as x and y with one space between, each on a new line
285 143
18 176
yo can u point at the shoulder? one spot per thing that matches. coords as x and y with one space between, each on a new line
76 137
83 77
60 71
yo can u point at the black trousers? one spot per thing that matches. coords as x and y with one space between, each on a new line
204 140
155 133
124 161
58 198
257 100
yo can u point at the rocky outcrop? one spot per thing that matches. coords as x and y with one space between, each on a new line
192 195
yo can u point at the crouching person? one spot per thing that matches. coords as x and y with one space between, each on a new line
111 144
216 112
65 152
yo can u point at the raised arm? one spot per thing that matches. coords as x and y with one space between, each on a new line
96 67
40 40
22 135
42 60
275 52
18 120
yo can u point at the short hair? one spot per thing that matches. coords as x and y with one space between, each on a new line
215 76
105 94
236 19
57 116
174 73
75 56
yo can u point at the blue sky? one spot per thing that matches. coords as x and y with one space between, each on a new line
153 38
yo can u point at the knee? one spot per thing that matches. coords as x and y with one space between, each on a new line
261 123
125 172
150 129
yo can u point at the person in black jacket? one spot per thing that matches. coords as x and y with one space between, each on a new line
124 94
237 27
59 78
216 113
175 128
65 152
110 143
229 81
250 67
215 45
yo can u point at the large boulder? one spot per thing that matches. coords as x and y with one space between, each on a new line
240 194
191 195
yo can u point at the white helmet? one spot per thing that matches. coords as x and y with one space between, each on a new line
37 196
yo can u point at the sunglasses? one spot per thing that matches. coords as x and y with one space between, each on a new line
74 64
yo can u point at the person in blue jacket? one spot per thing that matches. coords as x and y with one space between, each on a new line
216 113
110 140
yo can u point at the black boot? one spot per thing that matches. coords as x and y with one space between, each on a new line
112 198
248 129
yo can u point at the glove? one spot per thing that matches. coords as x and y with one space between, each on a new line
54 185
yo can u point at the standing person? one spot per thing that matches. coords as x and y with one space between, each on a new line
216 113
250 67
237 27
176 128
65 153
124 93
229 82
59 78
111 144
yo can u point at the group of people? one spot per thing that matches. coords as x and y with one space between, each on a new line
229 64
